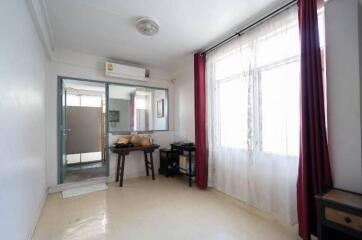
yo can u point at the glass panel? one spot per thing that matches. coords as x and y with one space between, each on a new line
280 109
121 99
84 130
229 65
91 101
73 158
91 156
278 45
233 113
73 100
134 108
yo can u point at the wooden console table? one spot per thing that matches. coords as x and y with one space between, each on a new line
123 152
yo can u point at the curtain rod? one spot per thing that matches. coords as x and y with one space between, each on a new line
249 27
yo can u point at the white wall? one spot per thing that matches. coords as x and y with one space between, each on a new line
83 66
22 132
344 93
184 100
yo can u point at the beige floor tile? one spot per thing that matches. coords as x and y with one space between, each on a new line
163 209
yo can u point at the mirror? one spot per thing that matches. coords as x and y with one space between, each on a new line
132 108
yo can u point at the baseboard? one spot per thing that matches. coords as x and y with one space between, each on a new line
37 217
292 228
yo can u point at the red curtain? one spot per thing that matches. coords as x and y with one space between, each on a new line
314 174
200 120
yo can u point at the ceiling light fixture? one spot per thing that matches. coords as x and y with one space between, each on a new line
147 26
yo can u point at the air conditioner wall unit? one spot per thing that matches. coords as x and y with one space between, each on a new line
126 72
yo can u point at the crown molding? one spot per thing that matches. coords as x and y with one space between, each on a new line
48 25
39 15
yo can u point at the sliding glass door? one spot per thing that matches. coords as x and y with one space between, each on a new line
83 130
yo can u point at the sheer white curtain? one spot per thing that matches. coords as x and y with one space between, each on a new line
253 116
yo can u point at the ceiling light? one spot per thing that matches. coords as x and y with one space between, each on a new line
147 26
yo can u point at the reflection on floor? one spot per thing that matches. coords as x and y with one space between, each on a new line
83 171
161 209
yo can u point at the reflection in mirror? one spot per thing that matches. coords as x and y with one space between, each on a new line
138 109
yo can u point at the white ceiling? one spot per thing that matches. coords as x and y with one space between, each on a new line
106 28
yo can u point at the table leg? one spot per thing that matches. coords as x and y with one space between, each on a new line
190 169
146 162
122 170
117 167
152 168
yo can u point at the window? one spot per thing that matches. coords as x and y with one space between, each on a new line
279 107
255 84
253 115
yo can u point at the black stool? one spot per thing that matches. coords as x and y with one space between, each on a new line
168 162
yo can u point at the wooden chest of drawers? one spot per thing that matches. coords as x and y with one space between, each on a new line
339 215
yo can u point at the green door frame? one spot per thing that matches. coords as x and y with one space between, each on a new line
60 126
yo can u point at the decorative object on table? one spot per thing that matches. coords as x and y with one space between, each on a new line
168 162
124 140
160 108
144 142
339 215
150 138
113 116
135 139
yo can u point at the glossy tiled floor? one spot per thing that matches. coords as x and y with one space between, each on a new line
161 209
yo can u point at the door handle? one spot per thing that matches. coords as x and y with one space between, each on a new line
66 131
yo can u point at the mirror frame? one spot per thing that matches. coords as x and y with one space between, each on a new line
107 83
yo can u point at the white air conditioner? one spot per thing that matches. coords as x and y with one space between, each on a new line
126 72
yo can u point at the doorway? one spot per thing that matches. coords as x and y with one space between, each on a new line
83 130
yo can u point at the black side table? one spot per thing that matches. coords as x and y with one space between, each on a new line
339 215
189 148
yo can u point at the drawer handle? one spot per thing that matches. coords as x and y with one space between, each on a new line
347 220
